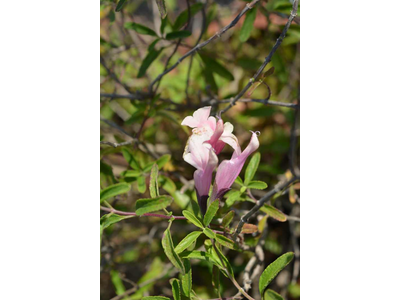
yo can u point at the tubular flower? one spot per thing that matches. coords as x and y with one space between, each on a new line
208 138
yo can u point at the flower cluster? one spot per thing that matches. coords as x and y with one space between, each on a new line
207 141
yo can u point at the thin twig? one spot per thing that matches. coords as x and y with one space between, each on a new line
115 145
267 59
124 213
205 43
277 188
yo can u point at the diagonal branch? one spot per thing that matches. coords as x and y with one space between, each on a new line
267 59
205 43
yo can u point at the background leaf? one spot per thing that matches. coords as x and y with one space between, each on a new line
178 35
141 181
140 28
120 5
183 17
148 60
247 26
153 187
162 8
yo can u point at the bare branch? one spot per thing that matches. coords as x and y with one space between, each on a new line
205 43
267 59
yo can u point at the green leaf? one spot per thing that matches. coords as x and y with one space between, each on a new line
228 218
187 278
215 280
211 211
247 26
131 173
162 8
130 159
214 66
187 241
167 184
163 160
155 298
192 218
272 295
153 187
118 284
252 168
239 181
114 190
232 198
109 219
176 290
178 35
183 17
141 181
225 260
224 241
201 255
152 204
273 269
148 60
255 184
139 28
120 4
273 212
168 246
152 45
209 233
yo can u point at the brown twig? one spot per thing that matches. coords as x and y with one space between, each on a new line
267 59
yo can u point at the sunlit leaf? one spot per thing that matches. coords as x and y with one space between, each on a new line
249 228
228 218
152 204
176 290
272 295
211 211
114 190
153 187
168 246
224 241
130 159
273 212
209 233
187 241
273 269
192 218
252 168
255 184
187 278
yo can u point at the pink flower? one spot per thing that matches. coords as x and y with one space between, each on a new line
229 170
207 141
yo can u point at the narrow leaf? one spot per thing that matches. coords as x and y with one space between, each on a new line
167 184
249 228
211 211
274 213
163 160
153 187
162 8
131 173
252 168
155 298
192 218
141 181
139 28
209 233
114 190
214 66
247 26
228 218
168 246
152 204
273 269
176 290
187 241
130 159
224 241
255 184
183 17
239 181
109 219
178 35
272 295
215 280
148 60
120 4
187 278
